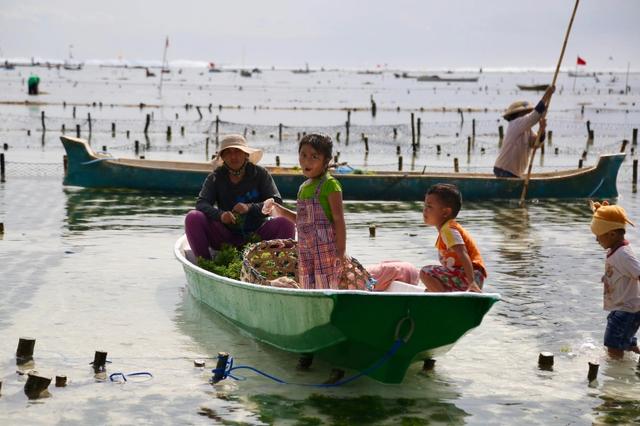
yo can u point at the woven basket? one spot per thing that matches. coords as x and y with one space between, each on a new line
275 263
270 260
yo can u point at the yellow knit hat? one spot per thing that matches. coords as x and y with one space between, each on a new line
607 218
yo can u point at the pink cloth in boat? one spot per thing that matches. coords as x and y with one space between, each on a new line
389 271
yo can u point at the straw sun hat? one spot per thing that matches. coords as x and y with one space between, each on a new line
517 108
238 142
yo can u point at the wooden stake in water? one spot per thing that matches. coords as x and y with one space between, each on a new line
44 128
35 385
221 365
593 371
347 126
280 132
24 352
545 360
146 124
525 187
2 179
456 166
413 132
634 137
99 361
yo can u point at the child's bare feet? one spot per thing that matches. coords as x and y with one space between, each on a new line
474 288
615 353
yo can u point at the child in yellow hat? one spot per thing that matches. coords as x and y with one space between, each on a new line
621 279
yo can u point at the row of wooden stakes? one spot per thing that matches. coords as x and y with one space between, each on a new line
36 385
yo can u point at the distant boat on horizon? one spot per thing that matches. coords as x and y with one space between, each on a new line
306 70
581 74
533 87
437 79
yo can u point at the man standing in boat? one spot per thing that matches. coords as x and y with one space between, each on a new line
519 139
229 206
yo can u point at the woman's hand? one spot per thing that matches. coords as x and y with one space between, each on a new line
241 208
228 218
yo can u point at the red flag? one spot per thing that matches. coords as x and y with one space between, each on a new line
581 61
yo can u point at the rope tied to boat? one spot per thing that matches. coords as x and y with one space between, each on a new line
222 373
122 377
412 327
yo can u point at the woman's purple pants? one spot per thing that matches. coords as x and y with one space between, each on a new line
203 232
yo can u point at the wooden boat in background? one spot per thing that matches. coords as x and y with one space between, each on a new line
348 329
89 169
533 87
438 79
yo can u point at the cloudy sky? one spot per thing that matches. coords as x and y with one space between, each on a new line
330 33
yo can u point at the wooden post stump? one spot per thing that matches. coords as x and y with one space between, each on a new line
545 360
35 385
223 357
593 371
99 361
456 165
372 230
428 365
24 352
61 381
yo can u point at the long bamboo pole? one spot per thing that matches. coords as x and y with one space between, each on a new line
523 196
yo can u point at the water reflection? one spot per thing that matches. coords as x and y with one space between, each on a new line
618 393
88 208
422 399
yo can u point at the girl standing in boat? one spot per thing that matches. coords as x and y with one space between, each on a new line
229 207
322 234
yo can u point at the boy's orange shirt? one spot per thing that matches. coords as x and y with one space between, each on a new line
451 234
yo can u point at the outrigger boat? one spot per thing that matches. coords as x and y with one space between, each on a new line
350 329
98 170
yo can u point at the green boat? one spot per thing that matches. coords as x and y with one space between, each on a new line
86 168
348 329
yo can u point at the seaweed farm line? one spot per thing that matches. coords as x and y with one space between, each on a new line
88 270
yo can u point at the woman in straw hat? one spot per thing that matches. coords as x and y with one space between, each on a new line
522 116
229 206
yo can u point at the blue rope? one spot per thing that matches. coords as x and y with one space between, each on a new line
226 371
124 376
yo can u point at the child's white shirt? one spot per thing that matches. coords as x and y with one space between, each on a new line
622 280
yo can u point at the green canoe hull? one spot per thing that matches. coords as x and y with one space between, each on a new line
88 169
348 329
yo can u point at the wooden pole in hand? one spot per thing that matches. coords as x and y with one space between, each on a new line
523 196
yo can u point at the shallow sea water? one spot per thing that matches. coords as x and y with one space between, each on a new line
85 270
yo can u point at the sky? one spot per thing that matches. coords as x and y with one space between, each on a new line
399 34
